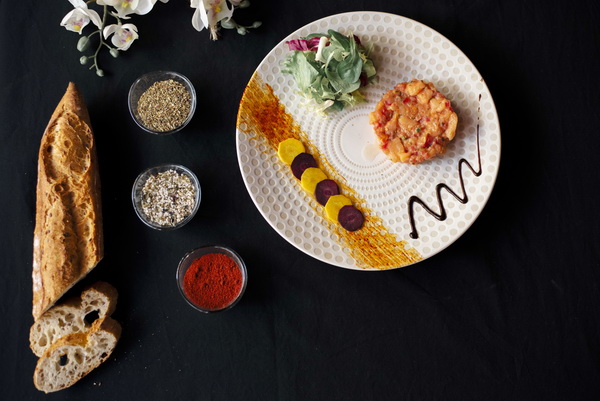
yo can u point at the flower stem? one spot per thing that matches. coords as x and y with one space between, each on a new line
102 43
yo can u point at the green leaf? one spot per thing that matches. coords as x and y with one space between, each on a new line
337 79
369 69
304 73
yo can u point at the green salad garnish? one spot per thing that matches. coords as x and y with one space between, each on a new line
329 69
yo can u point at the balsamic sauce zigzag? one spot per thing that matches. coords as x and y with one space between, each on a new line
442 215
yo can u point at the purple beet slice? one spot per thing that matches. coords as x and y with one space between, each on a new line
351 218
325 189
301 163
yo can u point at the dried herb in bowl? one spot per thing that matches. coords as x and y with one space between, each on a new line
164 106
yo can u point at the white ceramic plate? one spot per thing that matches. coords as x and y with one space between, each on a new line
403 49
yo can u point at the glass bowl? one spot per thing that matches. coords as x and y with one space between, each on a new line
144 82
136 194
186 262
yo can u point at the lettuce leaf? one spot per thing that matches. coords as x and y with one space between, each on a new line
334 80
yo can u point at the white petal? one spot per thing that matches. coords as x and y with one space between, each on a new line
78 3
124 36
75 20
197 22
144 6
224 11
67 17
129 8
96 20
116 42
131 27
128 41
204 13
109 30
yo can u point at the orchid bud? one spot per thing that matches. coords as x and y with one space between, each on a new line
256 24
83 44
114 53
241 30
83 60
100 73
228 24
244 4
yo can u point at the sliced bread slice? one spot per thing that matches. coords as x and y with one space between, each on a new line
75 355
74 316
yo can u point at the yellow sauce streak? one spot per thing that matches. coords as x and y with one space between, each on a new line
373 246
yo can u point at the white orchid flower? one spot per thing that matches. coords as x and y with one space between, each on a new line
80 16
126 7
208 14
123 35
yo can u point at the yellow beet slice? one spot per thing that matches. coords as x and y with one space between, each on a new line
334 204
289 149
311 177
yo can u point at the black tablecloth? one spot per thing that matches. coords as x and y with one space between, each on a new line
509 311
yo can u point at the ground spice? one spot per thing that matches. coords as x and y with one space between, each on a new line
213 281
164 106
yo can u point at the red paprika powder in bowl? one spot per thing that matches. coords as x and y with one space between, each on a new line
212 278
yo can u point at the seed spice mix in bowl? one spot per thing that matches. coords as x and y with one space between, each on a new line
166 197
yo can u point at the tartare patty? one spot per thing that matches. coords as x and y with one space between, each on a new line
414 122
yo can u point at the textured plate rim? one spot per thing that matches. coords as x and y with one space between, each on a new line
495 120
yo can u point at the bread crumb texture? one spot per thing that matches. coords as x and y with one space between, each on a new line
75 355
75 315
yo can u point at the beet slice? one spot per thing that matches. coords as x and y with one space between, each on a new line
325 189
301 163
351 218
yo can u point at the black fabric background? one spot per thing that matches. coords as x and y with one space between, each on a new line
510 311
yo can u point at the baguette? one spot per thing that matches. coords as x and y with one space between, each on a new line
72 316
75 355
68 241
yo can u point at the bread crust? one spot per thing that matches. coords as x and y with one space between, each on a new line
68 239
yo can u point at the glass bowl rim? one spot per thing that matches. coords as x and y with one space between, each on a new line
160 168
180 274
155 78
